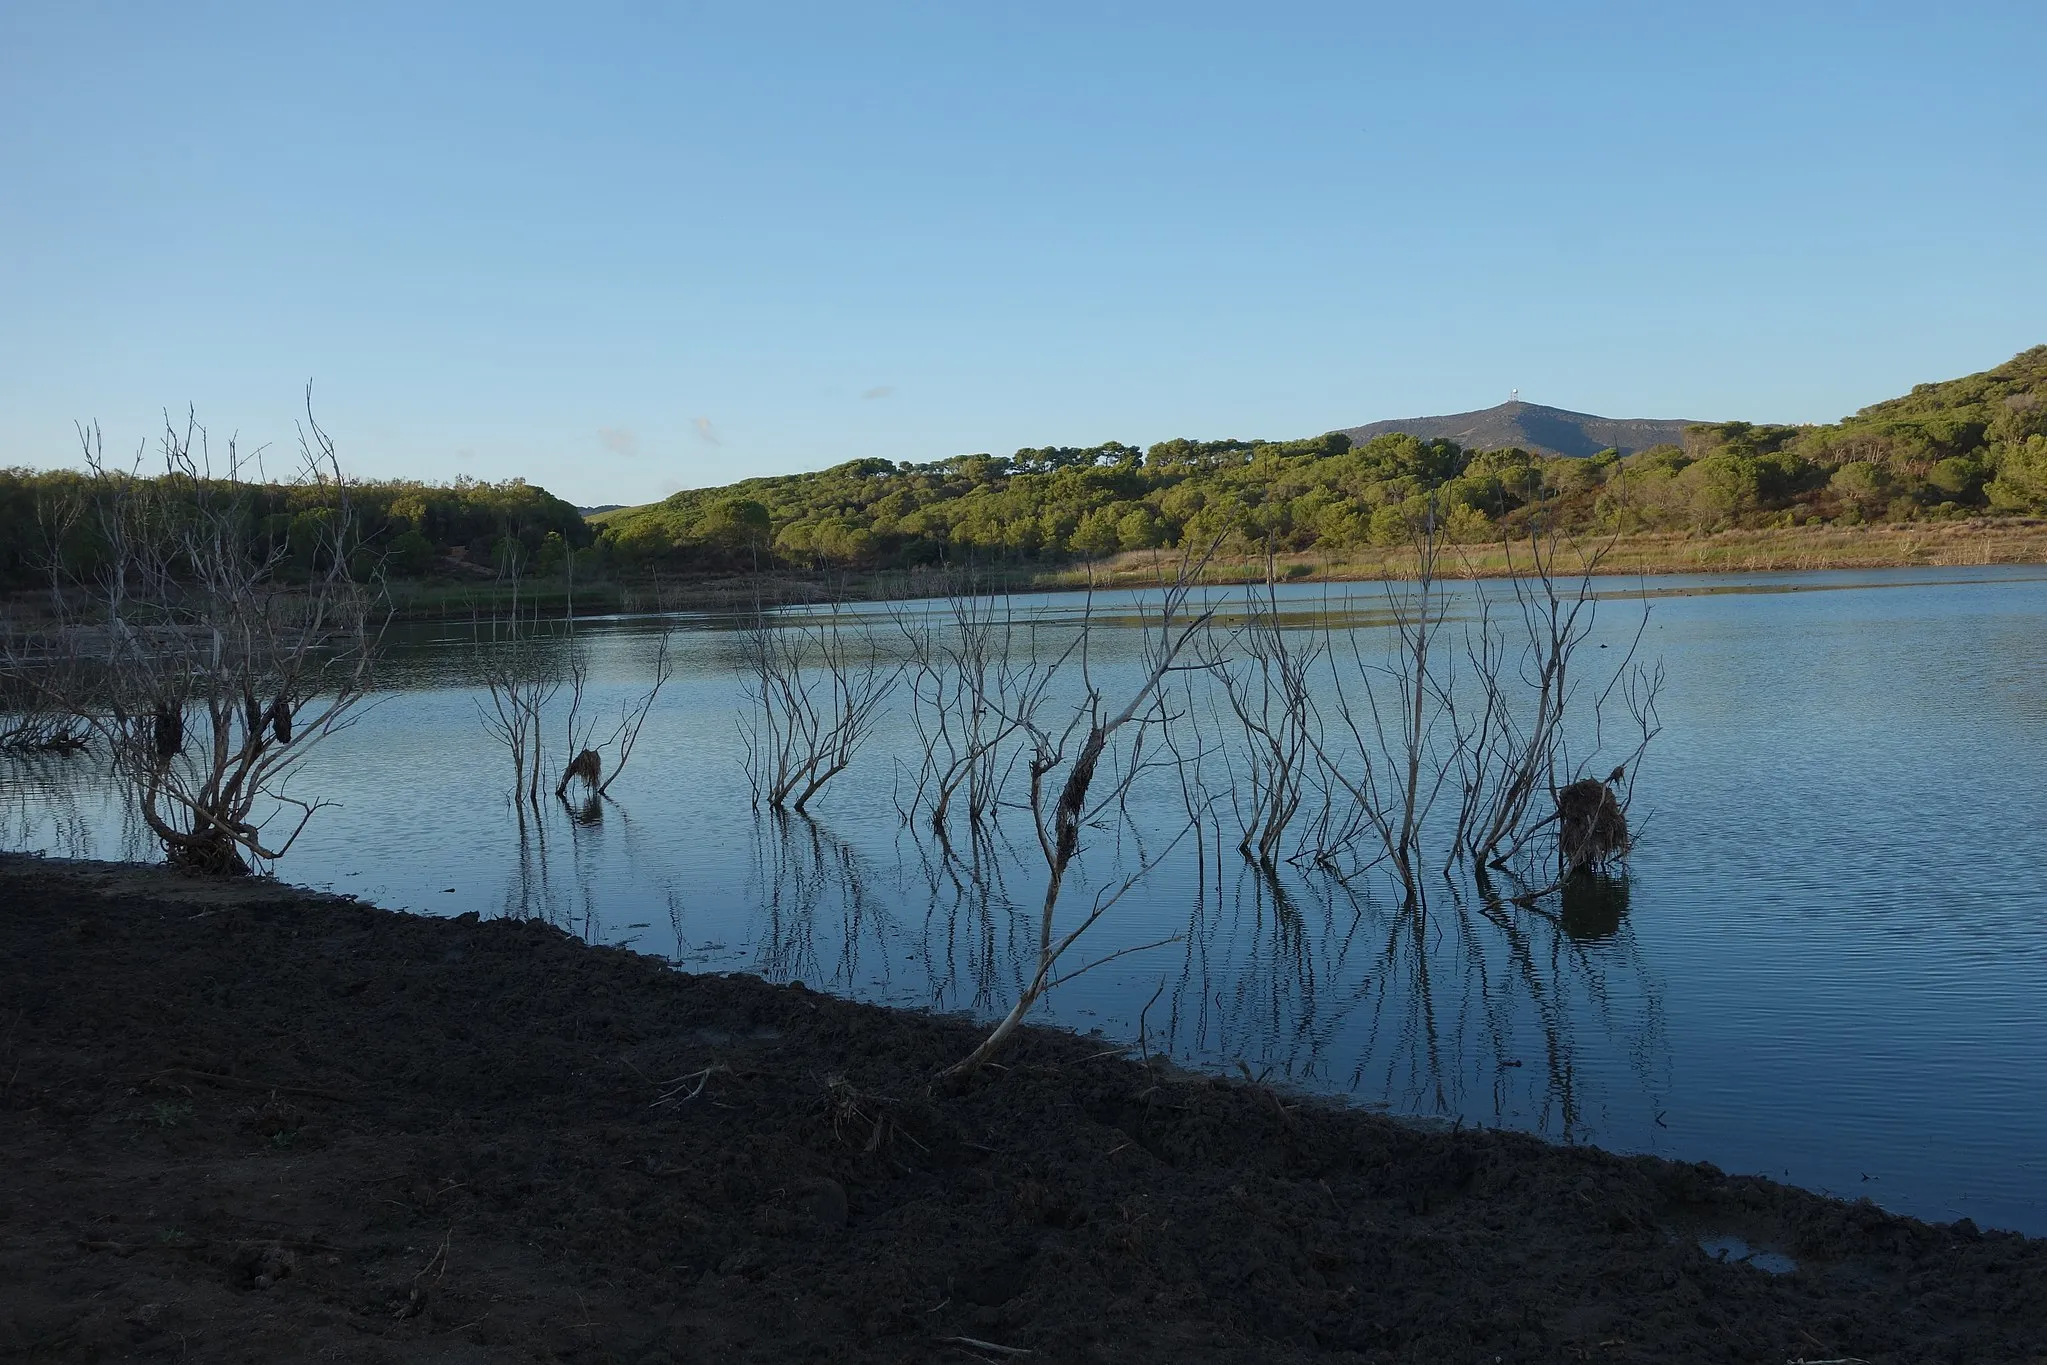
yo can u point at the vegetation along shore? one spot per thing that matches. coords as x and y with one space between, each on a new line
242 1121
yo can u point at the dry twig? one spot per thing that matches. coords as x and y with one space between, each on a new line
680 1091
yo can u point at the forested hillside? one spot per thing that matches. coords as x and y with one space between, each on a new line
1967 447
407 529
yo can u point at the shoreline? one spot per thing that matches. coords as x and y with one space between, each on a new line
1821 549
246 1118
1804 549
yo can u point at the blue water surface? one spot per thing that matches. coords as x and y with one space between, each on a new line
1826 966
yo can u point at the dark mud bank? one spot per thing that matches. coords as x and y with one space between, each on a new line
241 1122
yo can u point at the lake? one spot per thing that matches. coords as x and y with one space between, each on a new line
1826 964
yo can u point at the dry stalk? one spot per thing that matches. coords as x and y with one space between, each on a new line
846 1106
680 1090
980 1345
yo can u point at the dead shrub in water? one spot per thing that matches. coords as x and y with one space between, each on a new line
1081 745
974 678
1503 728
1271 696
523 664
814 692
633 711
210 655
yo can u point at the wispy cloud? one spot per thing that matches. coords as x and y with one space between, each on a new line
879 391
706 433
465 453
618 440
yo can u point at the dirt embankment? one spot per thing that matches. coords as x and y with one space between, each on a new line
246 1123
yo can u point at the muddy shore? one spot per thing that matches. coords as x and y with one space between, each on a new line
239 1121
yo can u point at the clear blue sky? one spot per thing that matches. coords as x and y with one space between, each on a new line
620 250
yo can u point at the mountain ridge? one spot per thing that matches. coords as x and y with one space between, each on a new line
1535 428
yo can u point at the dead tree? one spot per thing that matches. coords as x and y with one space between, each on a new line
1267 680
973 676
583 729
210 659
814 691
1067 759
1389 753
1521 779
520 667
1509 735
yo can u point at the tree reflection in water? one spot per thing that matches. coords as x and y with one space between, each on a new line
1464 1007
39 806
804 877
1594 904
1460 1008
568 898
971 928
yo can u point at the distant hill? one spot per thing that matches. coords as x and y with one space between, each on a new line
1533 428
601 508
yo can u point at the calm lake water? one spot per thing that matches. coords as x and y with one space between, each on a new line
1829 967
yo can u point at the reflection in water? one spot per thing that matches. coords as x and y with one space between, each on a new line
67 805
971 927
40 808
1462 1009
567 897
805 877
1594 904
1425 1010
